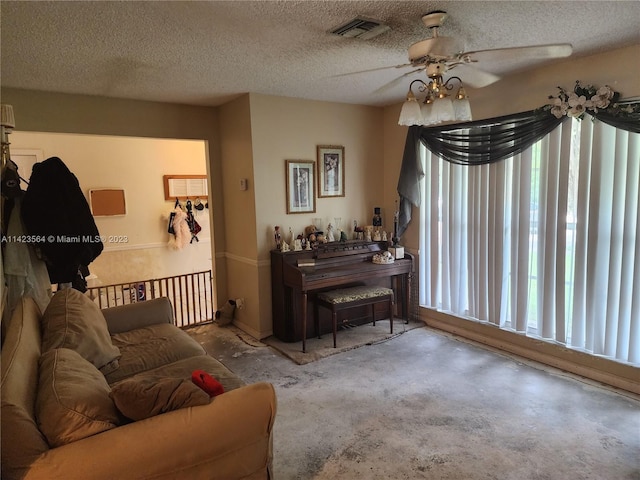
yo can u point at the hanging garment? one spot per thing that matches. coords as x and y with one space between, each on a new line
55 208
181 232
25 273
194 226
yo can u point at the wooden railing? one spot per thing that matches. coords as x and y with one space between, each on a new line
191 295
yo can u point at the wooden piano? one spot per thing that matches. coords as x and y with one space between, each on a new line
297 276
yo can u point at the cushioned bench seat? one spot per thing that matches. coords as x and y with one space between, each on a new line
344 298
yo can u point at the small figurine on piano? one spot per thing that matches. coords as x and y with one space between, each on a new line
278 237
330 236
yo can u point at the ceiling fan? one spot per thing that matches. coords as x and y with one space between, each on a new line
438 55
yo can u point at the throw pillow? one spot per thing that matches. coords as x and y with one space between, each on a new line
73 398
142 397
72 320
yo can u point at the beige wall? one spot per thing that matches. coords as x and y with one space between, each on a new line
620 69
239 206
291 129
82 114
237 163
258 134
135 246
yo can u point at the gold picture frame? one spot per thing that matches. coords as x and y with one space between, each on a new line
301 195
330 164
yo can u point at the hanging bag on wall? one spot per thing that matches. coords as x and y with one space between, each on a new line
194 226
172 216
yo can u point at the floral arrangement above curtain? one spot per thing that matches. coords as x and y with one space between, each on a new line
602 103
494 139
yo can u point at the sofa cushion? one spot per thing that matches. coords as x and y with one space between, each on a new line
73 398
184 368
145 396
150 347
22 441
72 320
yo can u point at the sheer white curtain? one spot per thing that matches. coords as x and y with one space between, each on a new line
545 243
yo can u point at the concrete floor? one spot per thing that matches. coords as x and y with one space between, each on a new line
428 405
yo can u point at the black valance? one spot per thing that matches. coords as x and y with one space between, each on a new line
487 141
625 117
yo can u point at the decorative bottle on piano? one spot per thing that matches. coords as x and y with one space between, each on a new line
377 218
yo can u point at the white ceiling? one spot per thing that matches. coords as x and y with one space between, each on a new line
208 52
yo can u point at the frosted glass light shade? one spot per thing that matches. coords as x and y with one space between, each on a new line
462 109
427 114
442 110
410 113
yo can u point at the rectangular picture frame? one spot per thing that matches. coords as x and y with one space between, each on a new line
300 177
330 164
185 186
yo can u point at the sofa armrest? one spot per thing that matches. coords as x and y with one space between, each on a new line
137 315
230 438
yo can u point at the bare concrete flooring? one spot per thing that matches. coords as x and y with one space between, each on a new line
425 405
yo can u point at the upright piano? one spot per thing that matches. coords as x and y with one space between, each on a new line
298 276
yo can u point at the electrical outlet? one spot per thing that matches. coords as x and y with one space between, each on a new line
240 303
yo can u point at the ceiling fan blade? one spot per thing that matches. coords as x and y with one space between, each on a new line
518 53
474 77
371 70
435 48
396 81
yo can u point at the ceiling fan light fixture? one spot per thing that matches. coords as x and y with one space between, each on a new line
437 106
461 106
462 93
426 109
439 54
410 113
462 109
442 110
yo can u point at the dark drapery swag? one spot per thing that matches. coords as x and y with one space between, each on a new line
485 141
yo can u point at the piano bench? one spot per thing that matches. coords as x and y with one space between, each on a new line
344 298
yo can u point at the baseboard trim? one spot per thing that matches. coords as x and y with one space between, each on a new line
593 367
251 331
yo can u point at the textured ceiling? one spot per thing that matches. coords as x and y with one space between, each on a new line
208 52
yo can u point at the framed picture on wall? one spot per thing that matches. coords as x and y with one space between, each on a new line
301 195
330 171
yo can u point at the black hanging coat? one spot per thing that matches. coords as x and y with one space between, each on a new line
55 209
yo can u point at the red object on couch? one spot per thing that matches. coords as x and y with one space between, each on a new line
207 383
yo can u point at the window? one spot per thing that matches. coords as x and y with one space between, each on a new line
545 243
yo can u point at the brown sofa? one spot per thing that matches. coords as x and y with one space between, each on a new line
83 402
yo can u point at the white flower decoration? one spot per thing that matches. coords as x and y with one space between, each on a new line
602 98
559 108
605 91
585 98
578 105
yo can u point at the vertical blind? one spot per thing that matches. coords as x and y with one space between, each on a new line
545 243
